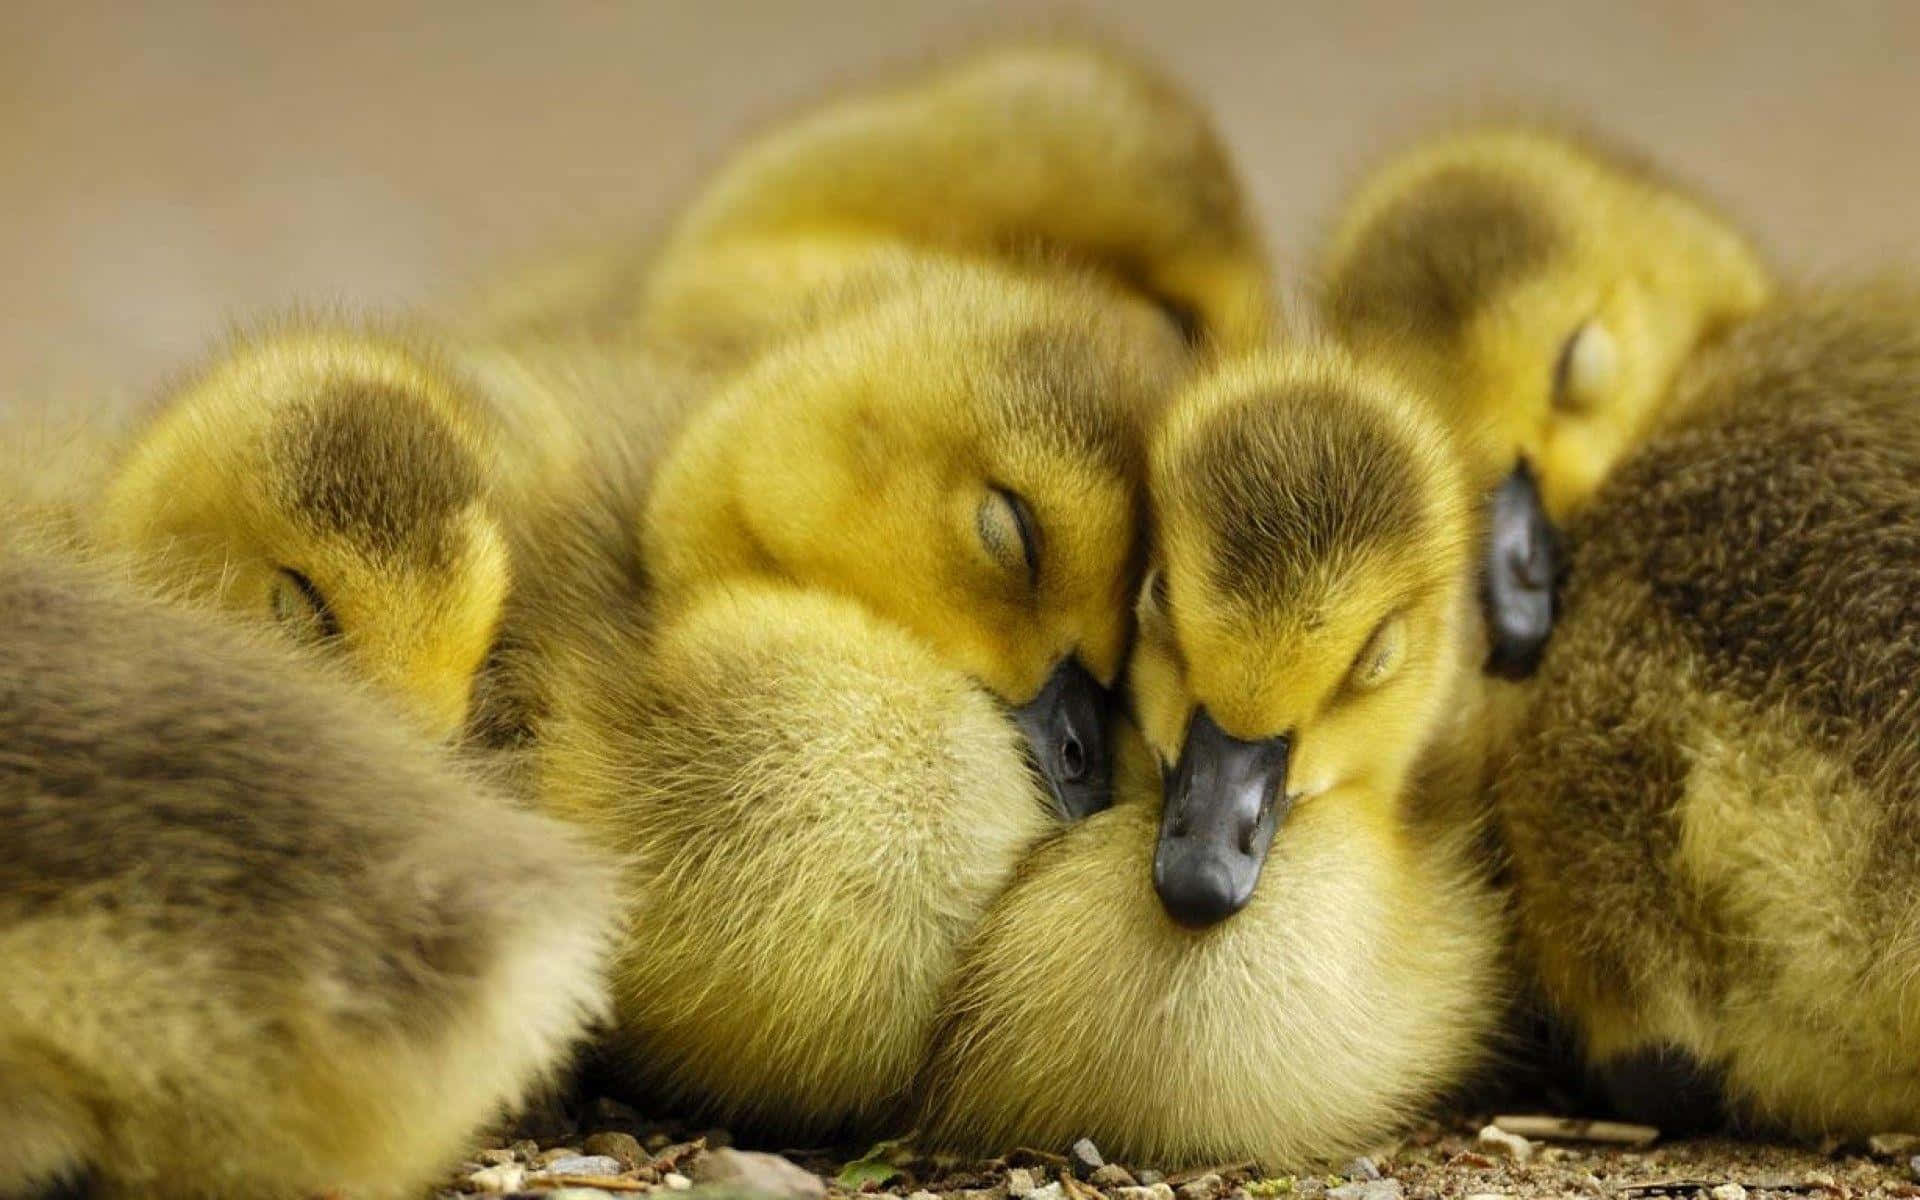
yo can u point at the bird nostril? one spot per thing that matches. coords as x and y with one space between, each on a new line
1073 759
1246 838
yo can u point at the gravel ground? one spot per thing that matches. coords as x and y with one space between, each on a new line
613 1150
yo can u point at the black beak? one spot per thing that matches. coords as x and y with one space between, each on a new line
1066 728
1525 562
1223 802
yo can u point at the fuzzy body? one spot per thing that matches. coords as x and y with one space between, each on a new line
814 814
259 943
1363 980
1055 150
1725 721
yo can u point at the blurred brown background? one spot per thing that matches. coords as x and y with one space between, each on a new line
168 168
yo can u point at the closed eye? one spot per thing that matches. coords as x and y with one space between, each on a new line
1587 370
1029 535
298 603
1010 533
1381 656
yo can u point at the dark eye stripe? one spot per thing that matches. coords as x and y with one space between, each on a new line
329 624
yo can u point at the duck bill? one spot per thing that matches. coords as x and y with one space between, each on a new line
1224 801
1525 561
1066 729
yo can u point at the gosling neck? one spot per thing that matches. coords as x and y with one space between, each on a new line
697 530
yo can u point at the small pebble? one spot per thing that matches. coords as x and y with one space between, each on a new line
1052 1191
1085 1157
1149 1177
493 1156
525 1149
1160 1189
1894 1145
622 1146
506 1177
1207 1187
676 1182
922 1196
1488 1196
1112 1175
1020 1182
1729 1191
582 1164
1363 1168
1913 1167
675 1153
557 1152
1370 1189
1498 1141
1134 1193
753 1171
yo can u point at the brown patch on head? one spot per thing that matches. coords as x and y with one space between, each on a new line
1430 261
1290 486
1065 395
366 462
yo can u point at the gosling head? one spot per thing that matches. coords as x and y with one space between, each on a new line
1299 621
330 484
1545 292
965 458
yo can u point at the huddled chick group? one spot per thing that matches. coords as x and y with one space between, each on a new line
928 651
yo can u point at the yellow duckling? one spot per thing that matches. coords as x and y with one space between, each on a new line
1543 290
939 317
1725 719
1726 934
334 483
1303 650
259 942
815 812
964 459
1045 152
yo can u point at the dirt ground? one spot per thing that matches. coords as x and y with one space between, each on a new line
1455 1159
